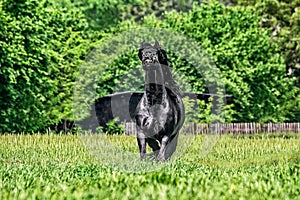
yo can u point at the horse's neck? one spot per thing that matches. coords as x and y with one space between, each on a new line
155 86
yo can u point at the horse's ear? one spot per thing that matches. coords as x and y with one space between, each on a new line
140 54
143 45
156 45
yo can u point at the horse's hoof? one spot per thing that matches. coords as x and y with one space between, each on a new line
160 158
150 156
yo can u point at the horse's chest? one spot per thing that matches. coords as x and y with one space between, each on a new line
160 112
154 118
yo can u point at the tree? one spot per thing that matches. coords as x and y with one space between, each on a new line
251 64
282 18
41 45
104 14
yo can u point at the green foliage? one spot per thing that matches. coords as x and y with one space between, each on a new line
41 45
157 8
282 18
60 167
251 64
123 74
104 14
197 111
113 127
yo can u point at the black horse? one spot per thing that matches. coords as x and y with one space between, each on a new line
160 113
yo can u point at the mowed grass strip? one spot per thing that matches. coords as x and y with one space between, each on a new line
236 167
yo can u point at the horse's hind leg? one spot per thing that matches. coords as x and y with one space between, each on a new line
161 153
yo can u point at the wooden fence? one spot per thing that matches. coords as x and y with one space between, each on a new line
235 128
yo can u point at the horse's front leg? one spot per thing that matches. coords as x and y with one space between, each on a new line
141 139
161 153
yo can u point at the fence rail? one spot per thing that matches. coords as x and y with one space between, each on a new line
234 128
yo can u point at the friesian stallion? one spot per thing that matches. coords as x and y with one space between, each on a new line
160 113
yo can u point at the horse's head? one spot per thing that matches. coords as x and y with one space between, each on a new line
152 56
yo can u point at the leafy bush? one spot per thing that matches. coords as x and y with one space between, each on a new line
282 19
251 64
104 14
113 127
41 45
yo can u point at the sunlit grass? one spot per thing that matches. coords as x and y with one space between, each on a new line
235 167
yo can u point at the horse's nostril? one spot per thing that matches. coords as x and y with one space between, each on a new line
145 122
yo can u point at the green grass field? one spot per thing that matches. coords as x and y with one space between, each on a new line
237 167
